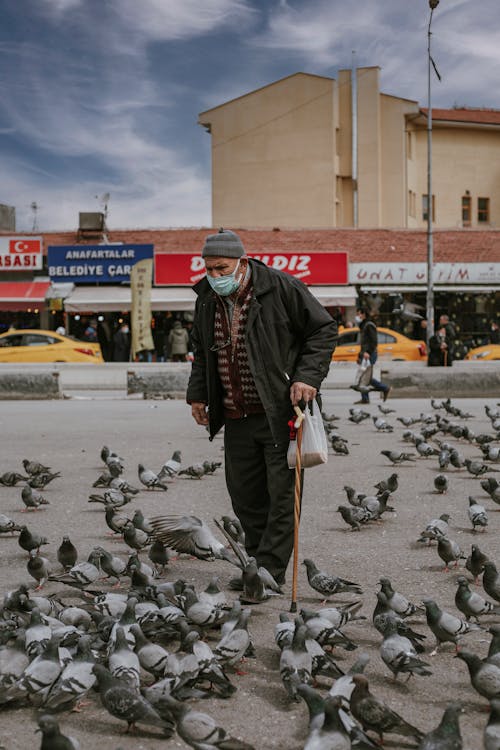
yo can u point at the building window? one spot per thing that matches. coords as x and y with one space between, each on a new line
466 210
483 210
409 145
425 207
412 203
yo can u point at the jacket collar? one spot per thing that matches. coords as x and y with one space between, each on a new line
262 280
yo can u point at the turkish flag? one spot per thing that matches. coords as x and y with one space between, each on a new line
18 247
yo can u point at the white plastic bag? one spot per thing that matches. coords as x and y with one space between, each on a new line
364 374
314 443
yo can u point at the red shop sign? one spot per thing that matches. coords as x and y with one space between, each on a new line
183 269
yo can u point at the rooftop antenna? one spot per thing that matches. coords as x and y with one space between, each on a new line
104 200
34 208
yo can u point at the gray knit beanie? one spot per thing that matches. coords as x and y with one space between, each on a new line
225 244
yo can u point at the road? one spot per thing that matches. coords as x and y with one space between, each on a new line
68 436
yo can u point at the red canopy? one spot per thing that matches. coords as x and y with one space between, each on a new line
22 295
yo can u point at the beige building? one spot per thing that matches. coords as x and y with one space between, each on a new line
283 156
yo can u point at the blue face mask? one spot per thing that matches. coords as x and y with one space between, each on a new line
225 285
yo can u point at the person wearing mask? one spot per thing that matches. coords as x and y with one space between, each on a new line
368 351
121 344
262 344
178 342
438 349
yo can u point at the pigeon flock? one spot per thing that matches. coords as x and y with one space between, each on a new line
158 621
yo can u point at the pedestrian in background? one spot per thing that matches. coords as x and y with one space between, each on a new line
262 343
438 349
451 334
368 351
121 344
495 333
178 342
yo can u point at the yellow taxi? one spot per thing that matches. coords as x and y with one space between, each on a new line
391 346
35 345
489 351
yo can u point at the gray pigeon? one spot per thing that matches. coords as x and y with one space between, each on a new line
52 737
195 471
7 525
296 662
475 562
435 529
171 468
149 479
446 736
441 483
396 601
491 580
445 626
484 676
39 676
32 498
34 467
398 457
377 505
201 731
188 534
75 680
125 703
123 662
399 654
38 568
235 641
449 551
332 734
470 603
29 540
67 554
477 468
477 515
354 517
375 715
11 478
382 425
326 584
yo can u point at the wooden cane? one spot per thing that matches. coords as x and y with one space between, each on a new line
296 508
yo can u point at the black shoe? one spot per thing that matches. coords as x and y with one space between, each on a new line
385 394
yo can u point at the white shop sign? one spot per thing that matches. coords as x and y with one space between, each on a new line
416 273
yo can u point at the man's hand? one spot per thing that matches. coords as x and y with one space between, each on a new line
302 392
199 412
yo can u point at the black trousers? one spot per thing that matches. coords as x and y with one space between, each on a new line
262 490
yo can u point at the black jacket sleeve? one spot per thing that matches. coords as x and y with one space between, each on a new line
197 387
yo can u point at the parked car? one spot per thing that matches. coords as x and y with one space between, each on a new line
489 351
35 345
391 345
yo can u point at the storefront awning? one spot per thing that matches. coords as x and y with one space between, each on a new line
86 299
22 295
335 296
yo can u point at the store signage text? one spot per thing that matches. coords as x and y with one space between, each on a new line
179 269
21 253
95 263
416 273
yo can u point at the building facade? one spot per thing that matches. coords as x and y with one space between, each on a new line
284 156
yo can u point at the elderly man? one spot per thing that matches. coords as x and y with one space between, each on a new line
262 344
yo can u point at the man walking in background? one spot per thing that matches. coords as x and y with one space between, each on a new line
262 343
368 351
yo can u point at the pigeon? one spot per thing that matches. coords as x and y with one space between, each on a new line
444 457
475 562
456 459
491 736
321 630
385 409
111 496
134 537
8 525
375 715
38 568
477 514
445 626
398 652
316 707
470 603
382 425
354 498
140 522
195 471
492 488
296 662
477 468
396 457
326 584
201 731
125 703
117 483
11 478
170 468
358 415
75 680
80 575
449 551
235 641
354 517
441 483
377 505
446 736
158 554
32 498
383 612
188 534
115 521
234 528
52 737
332 733
396 601
67 554
491 580
211 467
339 446
123 662
112 565
484 676
39 481
435 529
149 479
34 467
39 676
425 449
391 484
29 540
152 656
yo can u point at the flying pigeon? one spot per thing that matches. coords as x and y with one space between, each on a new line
188 534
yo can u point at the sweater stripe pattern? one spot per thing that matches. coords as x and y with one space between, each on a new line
240 392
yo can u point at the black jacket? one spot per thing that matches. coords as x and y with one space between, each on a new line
289 337
368 337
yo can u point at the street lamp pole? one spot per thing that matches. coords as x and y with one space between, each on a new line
430 243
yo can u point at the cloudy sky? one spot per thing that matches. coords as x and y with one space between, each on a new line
102 96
